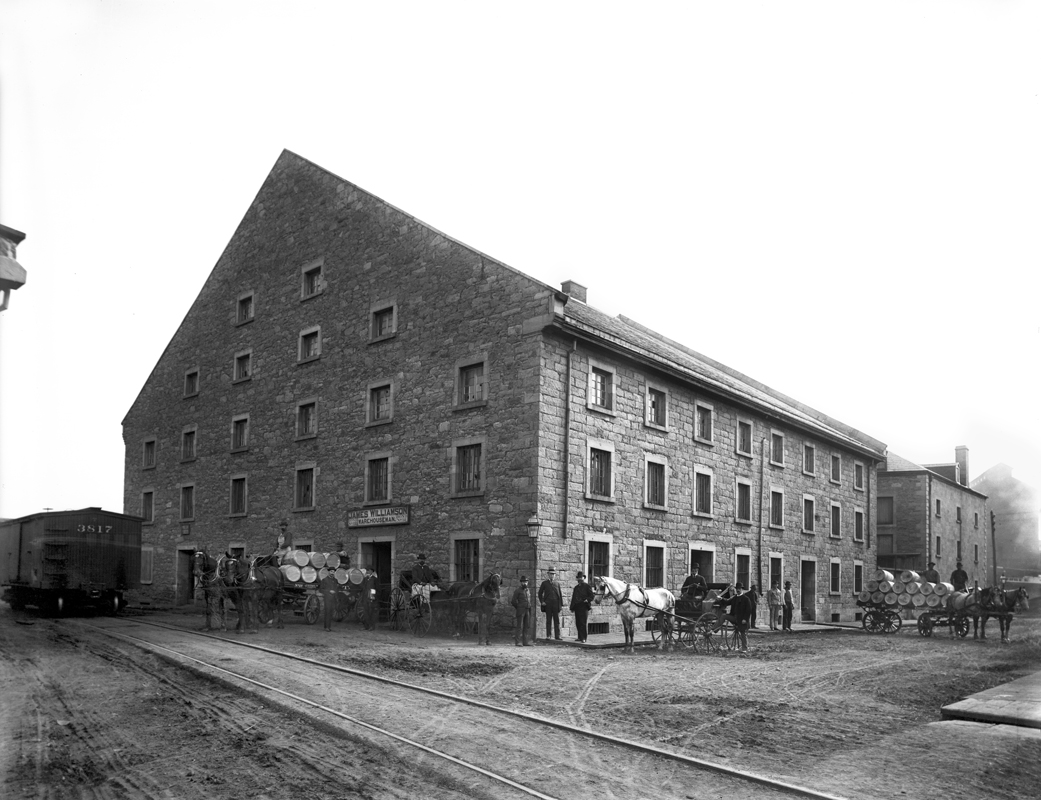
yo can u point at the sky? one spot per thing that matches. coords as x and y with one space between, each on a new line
840 200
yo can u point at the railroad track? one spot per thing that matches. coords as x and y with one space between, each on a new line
539 756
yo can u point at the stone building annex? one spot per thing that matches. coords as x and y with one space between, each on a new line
349 374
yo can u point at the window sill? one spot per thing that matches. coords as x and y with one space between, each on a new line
808 533
858 488
240 449
599 498
833 536
743 454
151 466
706 442
610 412
303 509
656 427
305 297
308 360
237 515
242 380
809 474
190 396
384 338
778 464
468 406
774 527
146 522
703 515
370 503
305 436
189 460
743 522
375 423
469 493
655 507
242 322
834 482
185 520
858 541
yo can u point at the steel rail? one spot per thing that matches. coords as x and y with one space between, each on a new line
752 777
307 701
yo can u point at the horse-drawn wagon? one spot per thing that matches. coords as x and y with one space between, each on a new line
459 607
304 572
698 623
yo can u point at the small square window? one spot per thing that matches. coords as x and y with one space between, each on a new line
244 309
238 496
744 437
148 454
383 323
471 383
377 483
305 488
187 502
656 408
306 420
191 383
468 468
243 367
601 389
310 345
240 433
703 422
311 281
777 449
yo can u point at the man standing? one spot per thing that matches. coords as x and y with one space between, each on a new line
522 603
774 600
695 586
551 600
753 598
740 612
369 604
789 607
328 588
960 578
931 575
581 602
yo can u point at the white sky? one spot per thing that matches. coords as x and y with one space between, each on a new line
841 200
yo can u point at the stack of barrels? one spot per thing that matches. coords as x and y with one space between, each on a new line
303 566
905 592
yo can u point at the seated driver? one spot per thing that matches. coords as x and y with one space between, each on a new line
422 578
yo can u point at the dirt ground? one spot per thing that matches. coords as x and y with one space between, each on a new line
843 712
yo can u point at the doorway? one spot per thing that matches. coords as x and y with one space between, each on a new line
705 559
184 580
378 557
808 591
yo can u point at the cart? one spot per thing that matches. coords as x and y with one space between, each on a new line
879 617
959 620
697 624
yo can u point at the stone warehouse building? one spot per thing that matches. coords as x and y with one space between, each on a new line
349 374
929 513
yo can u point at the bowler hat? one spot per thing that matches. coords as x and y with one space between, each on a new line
422 556
932 563
740 585
524 578
551 571
787 583
580 574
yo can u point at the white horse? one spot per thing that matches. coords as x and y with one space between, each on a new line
634 601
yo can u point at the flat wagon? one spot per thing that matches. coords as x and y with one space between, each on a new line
57 560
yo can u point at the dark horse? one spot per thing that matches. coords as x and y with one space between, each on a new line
1000 603
256 590
215 592
470 597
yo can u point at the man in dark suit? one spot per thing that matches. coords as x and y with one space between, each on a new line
328 587
521 602
581 602
551 601
739 613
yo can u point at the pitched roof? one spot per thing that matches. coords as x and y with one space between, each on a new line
645 344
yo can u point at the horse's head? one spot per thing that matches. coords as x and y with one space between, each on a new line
1021 599
230 570
198 563
492 584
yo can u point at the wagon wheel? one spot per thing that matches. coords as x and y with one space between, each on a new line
961 626
686 634
705 633
342 607
311 607
728 634
419 617
398 609
891 622
661 628
925 624
873 621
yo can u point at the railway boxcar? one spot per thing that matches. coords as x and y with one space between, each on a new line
60 559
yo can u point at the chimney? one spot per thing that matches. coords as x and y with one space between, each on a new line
575 290
961 456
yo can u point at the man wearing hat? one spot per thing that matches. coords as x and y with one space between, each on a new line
551 600
789 607
581 602
422 578
960 578
522 604
931 575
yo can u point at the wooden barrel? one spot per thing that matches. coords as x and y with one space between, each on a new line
943 588
301 558
933 600
918 600
910 576
891 598
885 586
904 599
341 576
355 576
864 596
317 559
871 586
292 572
926 588
332 560
878 597
913 588
883 575
958 600
899 588
308 574
323 573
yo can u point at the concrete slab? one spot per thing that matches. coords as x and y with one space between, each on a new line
1014 703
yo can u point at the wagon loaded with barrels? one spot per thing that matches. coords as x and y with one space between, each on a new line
304 571
888 597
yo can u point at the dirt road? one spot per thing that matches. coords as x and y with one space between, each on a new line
845 713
